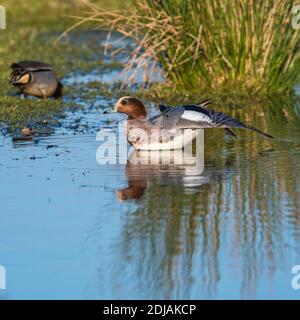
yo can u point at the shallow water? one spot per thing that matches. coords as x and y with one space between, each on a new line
71 228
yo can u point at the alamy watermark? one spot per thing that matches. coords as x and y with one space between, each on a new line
2 18
295 283
152 147
2 278
296 17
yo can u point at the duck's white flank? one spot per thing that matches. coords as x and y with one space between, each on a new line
195 116
177 143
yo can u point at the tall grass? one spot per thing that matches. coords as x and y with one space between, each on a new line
209 44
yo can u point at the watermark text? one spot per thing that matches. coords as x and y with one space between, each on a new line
2 278
155 146
2 18
296 278
296 17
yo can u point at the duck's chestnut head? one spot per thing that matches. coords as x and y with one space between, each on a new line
131 106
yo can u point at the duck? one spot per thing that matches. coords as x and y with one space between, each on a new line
164 131
35 78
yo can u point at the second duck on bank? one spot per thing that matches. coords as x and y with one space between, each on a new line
36 79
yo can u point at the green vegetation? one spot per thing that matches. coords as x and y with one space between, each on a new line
202 51
212 44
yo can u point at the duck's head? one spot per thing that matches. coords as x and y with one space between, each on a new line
131 106
21 79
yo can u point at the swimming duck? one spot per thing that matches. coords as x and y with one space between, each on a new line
35 78
167 125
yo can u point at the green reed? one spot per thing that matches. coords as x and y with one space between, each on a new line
209 44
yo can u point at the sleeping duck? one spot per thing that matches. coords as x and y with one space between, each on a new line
35 78
165 130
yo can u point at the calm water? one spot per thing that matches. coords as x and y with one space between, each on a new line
232 232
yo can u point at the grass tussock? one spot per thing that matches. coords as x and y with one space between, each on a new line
208 44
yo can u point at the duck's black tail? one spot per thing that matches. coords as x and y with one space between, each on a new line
259 131
59 91
224 121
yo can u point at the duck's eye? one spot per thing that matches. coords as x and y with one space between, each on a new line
124 102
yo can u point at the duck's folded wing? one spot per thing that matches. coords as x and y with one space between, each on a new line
198 117
157 119
182 117
188 116
163 108
28 65
195 116
19 69
202 104
166 120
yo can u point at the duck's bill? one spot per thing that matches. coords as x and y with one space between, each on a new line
112 109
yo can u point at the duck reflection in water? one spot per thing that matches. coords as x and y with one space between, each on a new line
144 167
171 224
